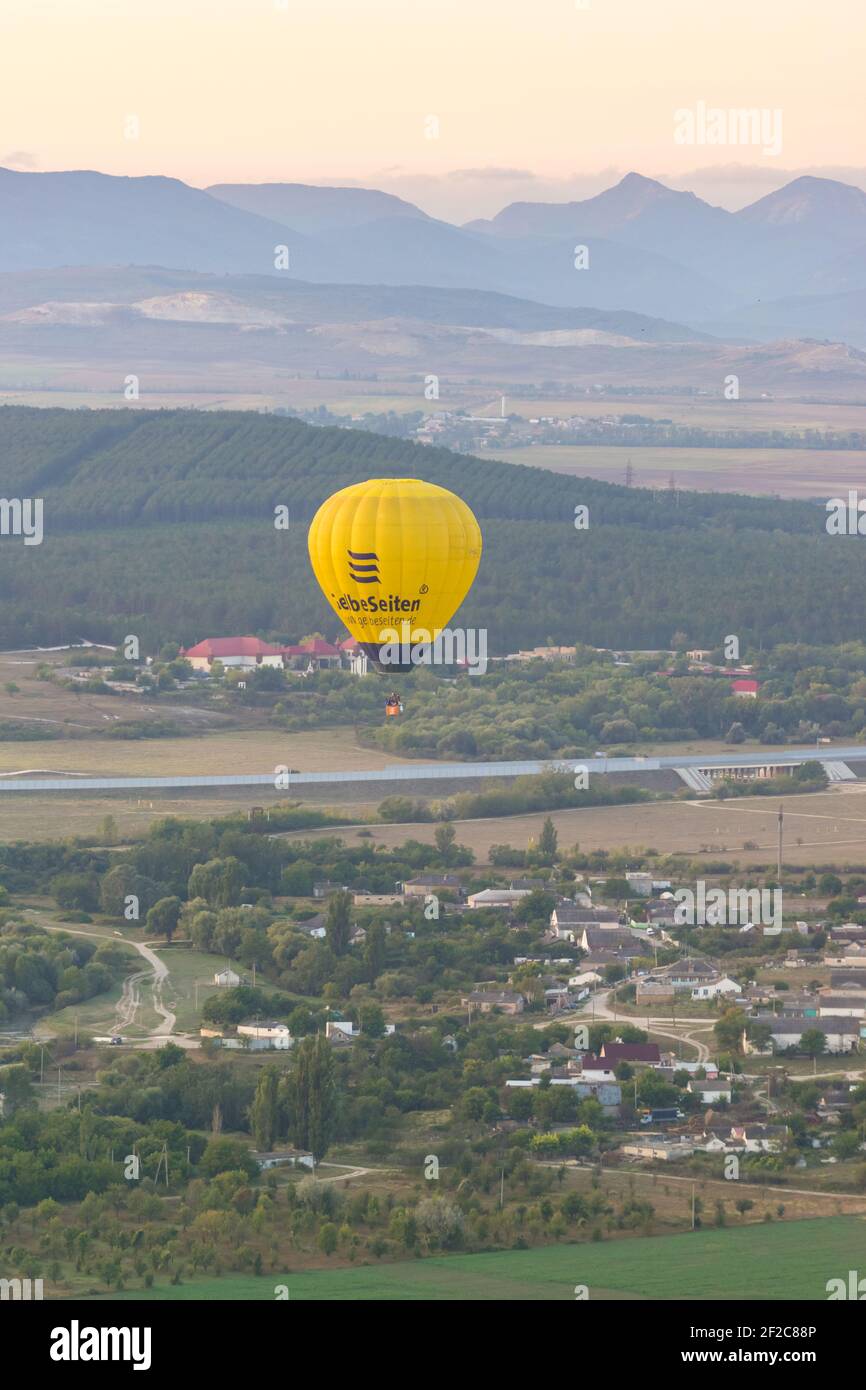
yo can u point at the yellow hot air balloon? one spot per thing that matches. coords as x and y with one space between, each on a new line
394 556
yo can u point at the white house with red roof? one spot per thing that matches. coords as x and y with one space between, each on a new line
248 653
245 653
315 653
745 689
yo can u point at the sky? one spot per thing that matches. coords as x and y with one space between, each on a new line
460 105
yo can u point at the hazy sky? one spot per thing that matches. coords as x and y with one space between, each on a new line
540 99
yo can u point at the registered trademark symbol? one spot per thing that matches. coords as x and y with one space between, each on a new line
423 589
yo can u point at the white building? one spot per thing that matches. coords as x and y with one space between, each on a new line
498 897
711 1092
723 986
227 978
275 1035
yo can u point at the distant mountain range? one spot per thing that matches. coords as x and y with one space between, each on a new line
793 261
252 334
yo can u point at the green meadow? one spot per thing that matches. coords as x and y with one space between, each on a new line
777 1260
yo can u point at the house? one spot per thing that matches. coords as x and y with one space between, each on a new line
343 1028
833 1102
690 973
715 1141
497 897
642 1054
586 980
314 927
326 889
850 981
833 1005
760 1138
284 1158
607 1093
539 1063
851 954
593 1069
659 1150
423 884
559 998
676 1064
725 985
363 898
227 979
274 1035
486 1000
313 655
615 939
710 1092
747 690
650 991
243 653
568 920
533 885
661 912
786 1030
640 884
564 654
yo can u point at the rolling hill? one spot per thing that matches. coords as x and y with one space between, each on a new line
161 523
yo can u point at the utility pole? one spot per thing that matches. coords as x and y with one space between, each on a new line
693 1206
501 1188
779 859
41 1065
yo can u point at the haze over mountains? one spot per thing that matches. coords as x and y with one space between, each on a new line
91 264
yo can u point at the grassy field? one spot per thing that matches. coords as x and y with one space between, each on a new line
252 751
780 472
831 827
699 412
768 1262
821 828
188 969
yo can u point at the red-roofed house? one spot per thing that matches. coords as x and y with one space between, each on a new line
315 652
747 690
614 1053
244 652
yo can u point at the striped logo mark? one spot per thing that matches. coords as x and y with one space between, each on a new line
364 566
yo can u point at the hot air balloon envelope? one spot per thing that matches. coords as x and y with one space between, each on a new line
395 558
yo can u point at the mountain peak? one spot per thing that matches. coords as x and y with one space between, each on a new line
810 199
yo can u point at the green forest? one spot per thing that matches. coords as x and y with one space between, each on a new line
161 523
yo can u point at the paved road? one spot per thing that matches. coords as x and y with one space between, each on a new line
420 772
599 1008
